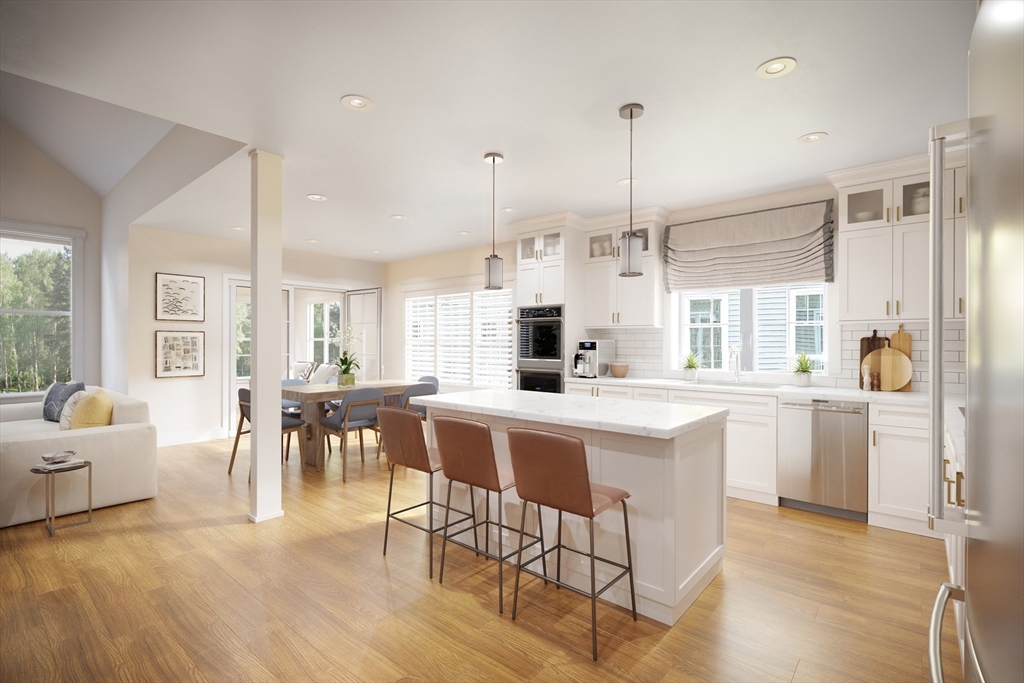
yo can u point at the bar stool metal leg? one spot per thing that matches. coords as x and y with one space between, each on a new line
593 591
540 532
629 558
472 508
487 527
387 520
501 561
558 552
430 524
519 564
444 531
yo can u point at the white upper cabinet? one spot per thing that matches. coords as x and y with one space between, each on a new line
601 246
637 302
866 206
544 245
600 287
528 284
865 272
912 197
910 256
552 282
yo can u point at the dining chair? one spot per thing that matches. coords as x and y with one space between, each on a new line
287 404
289 424
432 380
357 410
421 389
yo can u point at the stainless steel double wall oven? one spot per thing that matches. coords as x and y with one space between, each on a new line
539 360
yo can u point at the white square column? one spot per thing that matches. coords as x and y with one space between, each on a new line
265 440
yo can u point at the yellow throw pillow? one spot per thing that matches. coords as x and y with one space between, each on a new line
95 410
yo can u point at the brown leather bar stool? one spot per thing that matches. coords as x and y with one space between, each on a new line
551 470
467 457
403 432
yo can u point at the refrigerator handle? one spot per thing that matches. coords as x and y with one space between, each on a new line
946 591
936 439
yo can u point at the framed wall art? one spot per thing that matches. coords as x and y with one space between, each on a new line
180 298
180 354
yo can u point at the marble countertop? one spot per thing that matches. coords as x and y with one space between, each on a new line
913 398
623 416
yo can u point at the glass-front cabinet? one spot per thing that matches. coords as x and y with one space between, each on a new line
547 245
866 206
604 245
912 197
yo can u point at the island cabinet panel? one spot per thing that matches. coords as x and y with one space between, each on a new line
675 475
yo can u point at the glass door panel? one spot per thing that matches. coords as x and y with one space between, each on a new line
601 246
527 248
363 319
551 243
912 195
867 206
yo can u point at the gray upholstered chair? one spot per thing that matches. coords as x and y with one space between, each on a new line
432 380
357 410
289 424
421 389
287 404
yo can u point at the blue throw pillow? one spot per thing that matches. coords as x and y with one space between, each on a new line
57 395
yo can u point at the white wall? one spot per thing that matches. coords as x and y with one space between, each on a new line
35 189
412 273
190 408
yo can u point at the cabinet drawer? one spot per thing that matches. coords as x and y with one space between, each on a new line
644 394
909 417
745 404
579 389
615 392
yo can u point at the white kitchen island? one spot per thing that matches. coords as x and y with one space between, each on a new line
670 457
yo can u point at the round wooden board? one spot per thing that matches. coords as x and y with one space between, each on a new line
894 368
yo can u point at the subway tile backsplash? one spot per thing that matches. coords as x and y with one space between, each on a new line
643 350
954 352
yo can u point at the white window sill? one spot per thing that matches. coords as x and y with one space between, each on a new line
28 397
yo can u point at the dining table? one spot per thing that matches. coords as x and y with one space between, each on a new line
313 398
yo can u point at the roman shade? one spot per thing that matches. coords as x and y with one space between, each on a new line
791 244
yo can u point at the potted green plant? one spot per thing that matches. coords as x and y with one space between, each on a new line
803 369
346 364
690 365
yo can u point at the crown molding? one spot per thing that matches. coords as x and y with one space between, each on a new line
894 168
566 219
652 214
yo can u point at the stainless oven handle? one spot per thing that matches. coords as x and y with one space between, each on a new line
815 409
540 320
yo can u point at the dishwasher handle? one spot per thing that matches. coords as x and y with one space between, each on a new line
823 409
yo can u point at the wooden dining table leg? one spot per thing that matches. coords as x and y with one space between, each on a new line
312 437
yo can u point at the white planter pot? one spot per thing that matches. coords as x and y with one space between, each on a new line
803 379
690 374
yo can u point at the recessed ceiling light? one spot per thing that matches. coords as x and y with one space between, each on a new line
507 209
773 68
357 102
812 137
463 232
627 181
316 197
237 227
313 241
399 217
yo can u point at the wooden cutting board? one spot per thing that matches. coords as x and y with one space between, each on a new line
867 345
900 341
894 367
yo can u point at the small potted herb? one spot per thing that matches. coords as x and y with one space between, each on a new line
690 365
346 364
802 368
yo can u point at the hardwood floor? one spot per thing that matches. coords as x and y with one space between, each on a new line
184 588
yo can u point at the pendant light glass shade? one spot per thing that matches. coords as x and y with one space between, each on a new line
493 275
631 254
631 244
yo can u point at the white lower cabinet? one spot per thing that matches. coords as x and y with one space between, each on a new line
580 389
751 442
644 394
898 469
614 392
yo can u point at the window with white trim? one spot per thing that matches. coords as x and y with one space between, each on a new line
36 330
462 338
324 331
769 326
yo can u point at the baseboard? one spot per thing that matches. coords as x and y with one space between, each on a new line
752 496
896 523
178 438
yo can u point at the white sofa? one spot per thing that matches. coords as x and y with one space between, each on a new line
123 456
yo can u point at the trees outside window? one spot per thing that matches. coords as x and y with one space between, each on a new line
35 313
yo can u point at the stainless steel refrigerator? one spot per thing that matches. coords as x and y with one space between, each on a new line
994 459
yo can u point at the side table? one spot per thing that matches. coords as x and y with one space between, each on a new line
51 495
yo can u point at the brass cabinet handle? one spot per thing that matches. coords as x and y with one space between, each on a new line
613 318
961 205
897 214
897 307
960 502
887 308
961 305
887 215
874 438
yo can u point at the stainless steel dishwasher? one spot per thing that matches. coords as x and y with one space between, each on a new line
823 457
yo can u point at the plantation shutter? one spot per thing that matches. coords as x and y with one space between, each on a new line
419 337
792 244
492 339
454 339
772 311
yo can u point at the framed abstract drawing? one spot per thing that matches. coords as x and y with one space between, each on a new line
180 354
180 298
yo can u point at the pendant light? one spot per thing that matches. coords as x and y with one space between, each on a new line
631 244
492 264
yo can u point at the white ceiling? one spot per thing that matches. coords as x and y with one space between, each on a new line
539 82
95 141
